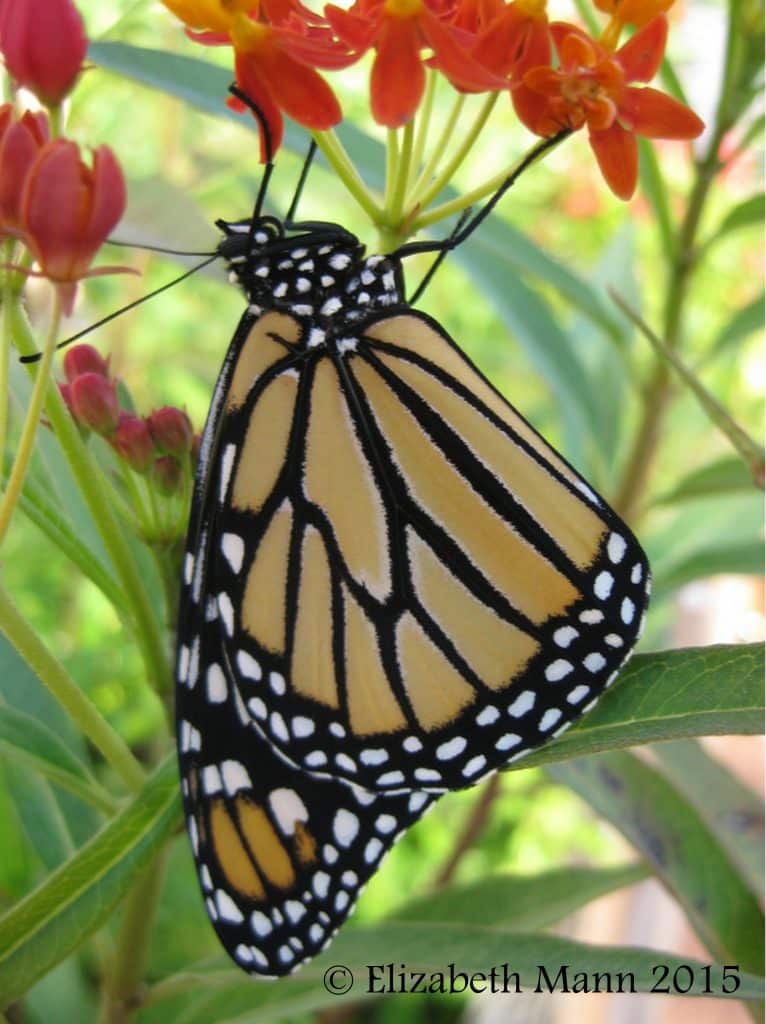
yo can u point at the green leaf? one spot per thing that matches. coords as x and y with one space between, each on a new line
42 929
26 741
750 211
746 321
36 505
746 558
698 691
521 903
431 948
40 816
681 848
723 476
733 812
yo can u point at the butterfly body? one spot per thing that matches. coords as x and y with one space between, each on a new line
393 586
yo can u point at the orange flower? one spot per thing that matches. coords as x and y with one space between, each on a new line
67 211
399 30
516 39
592 86
278 44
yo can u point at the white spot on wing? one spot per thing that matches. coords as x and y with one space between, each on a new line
227 464
233 548
288 808
215 684
345 827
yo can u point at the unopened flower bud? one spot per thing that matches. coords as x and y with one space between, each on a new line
43 45
171 431
167 475
133 442
94 400
84 359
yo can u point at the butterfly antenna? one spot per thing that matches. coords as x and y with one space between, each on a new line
145 247
124 309
442 255
290 215
456 239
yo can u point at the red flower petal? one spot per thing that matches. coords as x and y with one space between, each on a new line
354 30
653 114
20 144
300 91
617 154
108 197
398 76
452 59
252 82
539 113
642 55
68 208
501 43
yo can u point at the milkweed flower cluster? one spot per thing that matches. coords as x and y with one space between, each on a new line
160 447
556 75
59 205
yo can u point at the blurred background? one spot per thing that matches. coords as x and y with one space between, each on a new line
575 371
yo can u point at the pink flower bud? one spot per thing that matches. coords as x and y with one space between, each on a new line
84 359
171 430
68 210
133 442
167 475
66 394
94 400
43 45
20 142
196 444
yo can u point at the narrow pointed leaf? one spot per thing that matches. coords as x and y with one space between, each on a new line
681 848
733 812
43 928
366 951
698 691
727 475
523 903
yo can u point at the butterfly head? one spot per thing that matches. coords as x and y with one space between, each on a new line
314 271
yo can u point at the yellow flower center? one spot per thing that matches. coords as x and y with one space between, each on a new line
247 35
403 8
532 8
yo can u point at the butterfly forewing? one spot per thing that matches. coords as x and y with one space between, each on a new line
412 587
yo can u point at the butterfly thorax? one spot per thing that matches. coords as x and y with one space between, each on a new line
321 274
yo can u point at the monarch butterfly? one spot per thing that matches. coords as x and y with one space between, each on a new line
392 587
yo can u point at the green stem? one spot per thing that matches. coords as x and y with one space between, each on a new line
5 346
340 162
31 422
460 203
55 677
395 204
447 172
744 445
438 151
423 126
89 479
123 993
392 162
658 390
